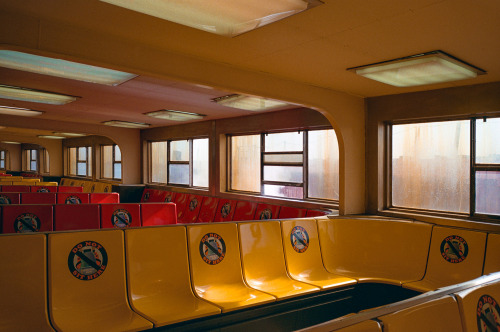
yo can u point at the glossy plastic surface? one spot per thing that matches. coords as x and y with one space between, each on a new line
193 207
48 184
375 250
436 315
158 276
101 198
307 265
44 188
208 208
23 283
68 217
441 272
264 262
267 211
157 214
41 217
69 189
120 215
492 260
38 198
181 201
10 198
225 210
66 198
366 326
15 188
244 211
90 305
287 212
221 283
153 195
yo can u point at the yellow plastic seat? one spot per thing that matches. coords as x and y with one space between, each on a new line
155 292
214 257
5 183
64 182
366 326
375 250
303 255
492 260
87 186
87 290
23 283
45 184
264 262
479 307
455 256
10 178
436 315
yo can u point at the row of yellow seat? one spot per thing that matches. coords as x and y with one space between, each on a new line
178 273
88 186
20 181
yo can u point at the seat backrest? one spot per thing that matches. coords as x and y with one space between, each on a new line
76 216
27 218
267 211
192 209
23 283
316 213
69 189
38 198
46 184
372 249
10 198
181 200
492 259
16 189
120 215
44 188
72 198
208 209
169 196
156 214
100 198
225 210
287 212
153 196
244 210
85 265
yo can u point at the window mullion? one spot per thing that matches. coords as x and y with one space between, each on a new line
305 165
472 208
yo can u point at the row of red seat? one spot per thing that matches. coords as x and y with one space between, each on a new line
51 189
65 217
201 209
58 198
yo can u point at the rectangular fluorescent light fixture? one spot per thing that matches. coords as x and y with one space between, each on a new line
222 17
51 137
175 115
69 134
34 96
126 124
7 110
62 68
421 69
249 103
9 142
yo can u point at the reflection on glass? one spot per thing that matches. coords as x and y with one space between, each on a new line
283 173
430 165
118 153
323 164
159 162
200 162
82 168
33 166
488 192
33 154
178 174
283 191
82 153
179 150
488 141
293 141
107 161
118 171
245 163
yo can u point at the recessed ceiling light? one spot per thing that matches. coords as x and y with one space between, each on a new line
9 142
35 96
223 17
51 137
249 103
126 124
175 115
62 68
420 69
69 134
18 111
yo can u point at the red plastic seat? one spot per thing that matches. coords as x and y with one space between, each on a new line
244 211
225 210
192 209
100 198
27 218
43 189
68 217
156 214
169 196
38 198
267 211
72 198
10 198
316 213
182 201
153 195
287 212
120 215
15 189
69 189
208 209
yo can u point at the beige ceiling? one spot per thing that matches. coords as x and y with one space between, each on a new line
314 47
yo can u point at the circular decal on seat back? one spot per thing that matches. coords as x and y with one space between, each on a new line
266 214
454 249
27 223
87 260
212 248
92 188
225 210
146 197
488 311
106 189
193 204
42 190
4 200
73 200
299 239
121 218
168 199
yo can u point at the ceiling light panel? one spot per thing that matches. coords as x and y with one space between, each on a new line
34 96
69 134
223 17
18 111
9 142
175 115
51 137
421 69
62 68
126 124
249 103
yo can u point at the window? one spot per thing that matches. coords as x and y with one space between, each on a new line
111 162
3 159
299 164
80 161
31 160
44 161
180 162
437 166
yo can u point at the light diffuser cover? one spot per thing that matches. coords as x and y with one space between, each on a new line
126 124
34 96
7 110
175 115
249 103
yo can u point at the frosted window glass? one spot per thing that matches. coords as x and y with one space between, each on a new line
245 163
72 161
283 191
488 192
293 141
488 141
159 162
283 173
178 174
107 161
179 150
200 162
323 164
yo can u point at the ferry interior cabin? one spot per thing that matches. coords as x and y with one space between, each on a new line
286 165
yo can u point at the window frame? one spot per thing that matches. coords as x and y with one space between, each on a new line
28 156
3 157
113 162
88 160
304 164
